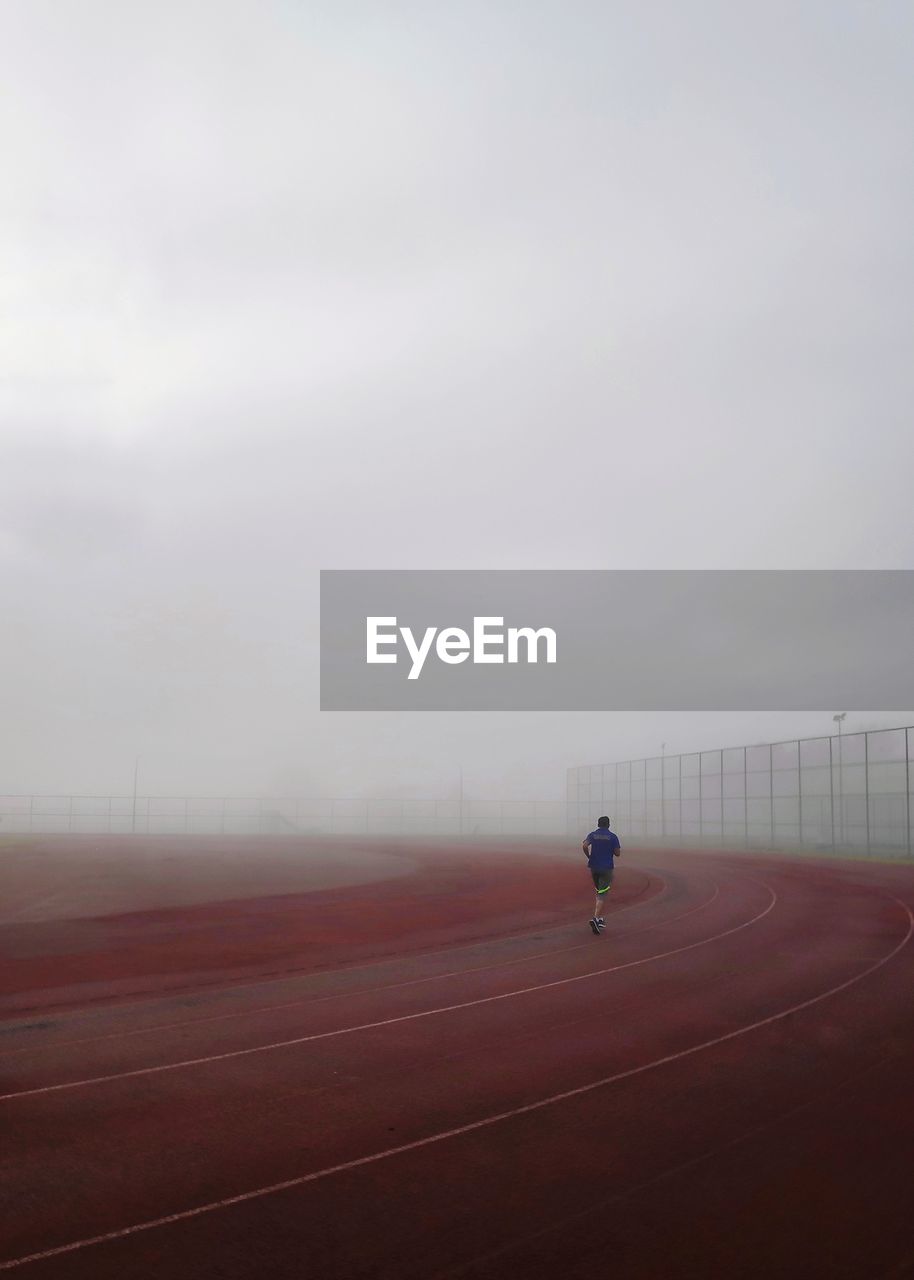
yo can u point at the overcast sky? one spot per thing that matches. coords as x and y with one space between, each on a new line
286 286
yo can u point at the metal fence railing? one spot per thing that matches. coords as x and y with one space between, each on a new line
203 815
846 791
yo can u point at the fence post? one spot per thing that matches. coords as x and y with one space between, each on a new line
771 792
644 810
701 803
908 787
680 795
866 779
831 791
799 794
745 798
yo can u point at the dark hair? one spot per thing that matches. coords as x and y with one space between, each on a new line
602 822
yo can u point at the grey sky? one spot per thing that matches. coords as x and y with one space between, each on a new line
289 286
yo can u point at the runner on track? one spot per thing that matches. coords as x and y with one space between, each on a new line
601 847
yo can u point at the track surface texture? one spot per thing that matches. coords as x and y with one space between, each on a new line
444 1074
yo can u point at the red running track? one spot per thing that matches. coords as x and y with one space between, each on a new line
721 1085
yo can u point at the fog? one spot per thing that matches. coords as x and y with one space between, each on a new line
357 285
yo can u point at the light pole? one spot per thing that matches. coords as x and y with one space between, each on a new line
839 720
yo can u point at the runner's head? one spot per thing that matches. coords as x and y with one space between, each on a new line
602 822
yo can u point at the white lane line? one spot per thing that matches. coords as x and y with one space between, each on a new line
259 1192
343 995
306 975
665 1175
385 1022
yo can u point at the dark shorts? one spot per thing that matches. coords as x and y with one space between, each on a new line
602 880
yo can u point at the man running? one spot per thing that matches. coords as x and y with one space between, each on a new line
601 847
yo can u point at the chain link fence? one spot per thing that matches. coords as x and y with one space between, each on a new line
850 791
202 815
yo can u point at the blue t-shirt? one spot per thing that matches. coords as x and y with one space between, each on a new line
603 845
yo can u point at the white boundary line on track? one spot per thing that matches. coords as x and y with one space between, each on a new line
342 995
304 975
386 1022
290 1183
673 1171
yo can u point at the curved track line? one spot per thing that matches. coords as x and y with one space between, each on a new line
384 1022
290 1183
663 1176
343 995
293 975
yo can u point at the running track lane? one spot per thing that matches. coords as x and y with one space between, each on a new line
245 999
449 897
693 1056
411 1004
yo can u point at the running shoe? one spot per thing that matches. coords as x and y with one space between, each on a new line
595 926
